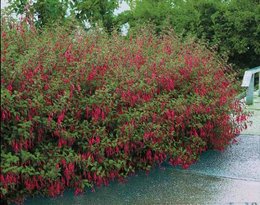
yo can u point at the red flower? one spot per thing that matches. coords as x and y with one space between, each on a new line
10 87
61 117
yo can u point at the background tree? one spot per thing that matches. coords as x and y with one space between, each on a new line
43 11
153 11
96 12
231 27
237 31
89 13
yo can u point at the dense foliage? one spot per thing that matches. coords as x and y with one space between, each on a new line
89 13
232 27
79 110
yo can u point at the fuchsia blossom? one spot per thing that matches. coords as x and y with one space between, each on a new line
10 88
61 117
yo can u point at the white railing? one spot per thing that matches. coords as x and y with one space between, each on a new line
248 82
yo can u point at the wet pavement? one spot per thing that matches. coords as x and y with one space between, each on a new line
167 187
228 177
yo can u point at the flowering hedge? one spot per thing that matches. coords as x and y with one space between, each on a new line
79 110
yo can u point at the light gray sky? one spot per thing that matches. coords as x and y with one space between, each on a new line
122 7
3 3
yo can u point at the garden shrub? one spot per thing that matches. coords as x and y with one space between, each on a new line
82 109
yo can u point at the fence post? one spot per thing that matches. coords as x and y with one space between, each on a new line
250 91
259 84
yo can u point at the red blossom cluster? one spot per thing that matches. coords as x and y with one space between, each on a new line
78 112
